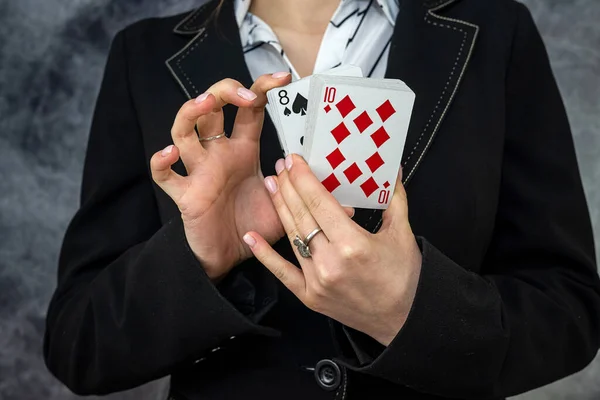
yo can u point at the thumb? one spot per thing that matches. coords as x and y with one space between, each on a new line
397 212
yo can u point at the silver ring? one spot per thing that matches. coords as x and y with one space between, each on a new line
311 235
302 245
208 139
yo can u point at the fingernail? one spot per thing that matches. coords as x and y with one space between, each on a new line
166 151
278 75
246 94
201 98
250 241
288 162
279 166
271 184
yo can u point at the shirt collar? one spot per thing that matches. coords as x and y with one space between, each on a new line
389 7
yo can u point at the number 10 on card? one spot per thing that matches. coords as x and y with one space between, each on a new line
330 94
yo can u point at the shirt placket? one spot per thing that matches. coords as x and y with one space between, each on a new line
343 22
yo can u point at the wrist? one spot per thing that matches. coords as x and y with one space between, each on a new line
215 264
403 292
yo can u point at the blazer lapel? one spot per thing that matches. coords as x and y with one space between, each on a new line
214 51
430 53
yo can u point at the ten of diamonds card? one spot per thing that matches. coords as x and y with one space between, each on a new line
356 135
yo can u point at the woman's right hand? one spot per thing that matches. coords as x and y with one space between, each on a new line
223 196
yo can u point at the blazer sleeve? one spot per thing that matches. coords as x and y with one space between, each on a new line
132 301
533 315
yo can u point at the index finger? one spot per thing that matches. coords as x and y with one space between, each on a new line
249 121
326 210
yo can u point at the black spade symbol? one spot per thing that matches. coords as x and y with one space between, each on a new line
302 140
300 104
287 112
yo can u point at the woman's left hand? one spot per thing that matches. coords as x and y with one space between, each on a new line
365 281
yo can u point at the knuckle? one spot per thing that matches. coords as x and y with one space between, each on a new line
189 210
224 85
300 214
264 82
278 203
230 81
352 251
155 171
279 274
298 172
314 203
180 128
313 299
187 109
157 177
329 277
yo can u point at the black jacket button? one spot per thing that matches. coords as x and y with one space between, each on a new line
328 374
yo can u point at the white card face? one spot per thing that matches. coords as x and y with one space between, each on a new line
290 104
359 136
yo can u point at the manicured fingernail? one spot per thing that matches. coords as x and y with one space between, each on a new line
166 151
250 241
288 162
279 166
271 184
246 94
201 98
278 75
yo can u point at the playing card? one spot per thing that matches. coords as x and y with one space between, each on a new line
355 136
288 108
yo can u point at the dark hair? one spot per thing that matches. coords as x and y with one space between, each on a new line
218 9
214 17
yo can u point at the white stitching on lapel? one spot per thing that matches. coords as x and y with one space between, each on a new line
458 81
191 46
451 98
460 51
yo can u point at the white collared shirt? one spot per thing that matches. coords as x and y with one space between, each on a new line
359 33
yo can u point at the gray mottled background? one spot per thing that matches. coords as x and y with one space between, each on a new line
52 54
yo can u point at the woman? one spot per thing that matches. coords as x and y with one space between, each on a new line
480 282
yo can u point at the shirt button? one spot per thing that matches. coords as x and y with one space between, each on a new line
328 375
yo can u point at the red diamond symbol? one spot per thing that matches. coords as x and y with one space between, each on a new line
385 110
352 172
363 121
380 136
335 158
345 106
331 183
340 132
369 186
327 108
386 184
374 162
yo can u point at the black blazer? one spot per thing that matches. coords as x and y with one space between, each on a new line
508 298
